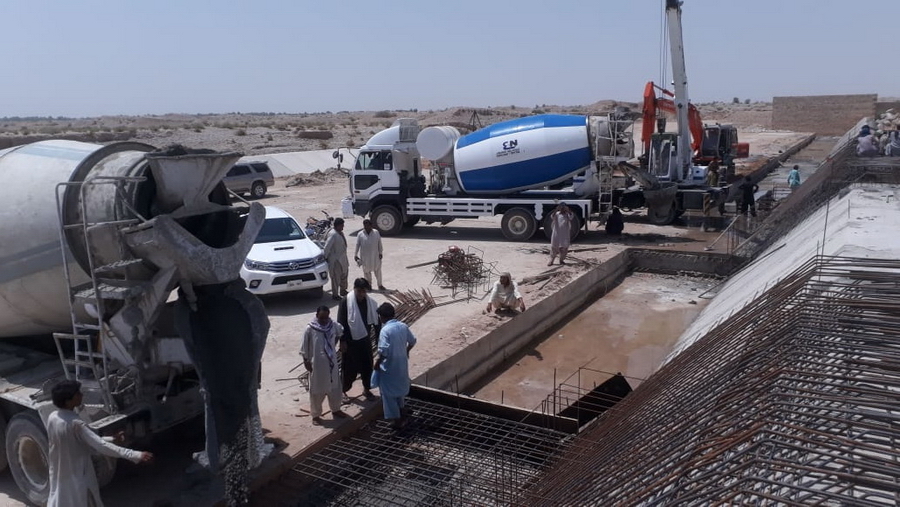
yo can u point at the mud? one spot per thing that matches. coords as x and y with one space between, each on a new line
630 330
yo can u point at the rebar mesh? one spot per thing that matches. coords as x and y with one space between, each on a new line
791 402
445 456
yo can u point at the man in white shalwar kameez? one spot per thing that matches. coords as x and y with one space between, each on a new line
73 482
561 221
335 252
369 252
319 351
505 296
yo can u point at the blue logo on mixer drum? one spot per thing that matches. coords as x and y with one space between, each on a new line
509 148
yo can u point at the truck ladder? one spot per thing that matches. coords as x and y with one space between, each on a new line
618 130
83 356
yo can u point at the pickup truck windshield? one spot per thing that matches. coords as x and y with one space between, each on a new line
279 229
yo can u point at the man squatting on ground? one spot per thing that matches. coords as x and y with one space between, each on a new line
394 343
336 256
357 315
73 482
505 295
369 252
319 351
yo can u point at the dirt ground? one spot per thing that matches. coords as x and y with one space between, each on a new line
441 332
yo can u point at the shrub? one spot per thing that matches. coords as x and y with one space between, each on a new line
240 132
384 114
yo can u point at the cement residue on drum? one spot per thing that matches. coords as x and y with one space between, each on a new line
629 330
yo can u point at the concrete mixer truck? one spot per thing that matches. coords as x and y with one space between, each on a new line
511 168
95 242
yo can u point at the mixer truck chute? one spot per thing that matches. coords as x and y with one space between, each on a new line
95 240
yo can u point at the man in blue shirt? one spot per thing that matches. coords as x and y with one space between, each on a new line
392 363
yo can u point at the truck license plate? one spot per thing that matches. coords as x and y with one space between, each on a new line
295 283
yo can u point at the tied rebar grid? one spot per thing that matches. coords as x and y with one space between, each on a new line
791 402
463 271
445 456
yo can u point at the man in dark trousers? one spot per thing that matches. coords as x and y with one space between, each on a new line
357 314
748 195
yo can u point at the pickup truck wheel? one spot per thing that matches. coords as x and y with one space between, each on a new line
258 190
28 451
387 220
574 232
518 224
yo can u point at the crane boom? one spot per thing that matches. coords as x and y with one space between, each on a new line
681 99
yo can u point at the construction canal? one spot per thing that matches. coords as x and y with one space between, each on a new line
487 421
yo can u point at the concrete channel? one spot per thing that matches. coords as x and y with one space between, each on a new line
471 409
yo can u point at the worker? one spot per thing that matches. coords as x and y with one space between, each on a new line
864 131
369 252
712 174
615 224
866 146
73 482
748 195
505 296
357 315
392 363
336 257
561 221
319 351
893 148
794 178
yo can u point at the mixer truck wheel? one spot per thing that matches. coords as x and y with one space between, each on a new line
28 450
518 224
387 220
258 190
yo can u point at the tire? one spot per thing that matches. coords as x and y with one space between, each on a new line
105 468
662 216
518 224
548 228
258 190
411 221
28 451
387 220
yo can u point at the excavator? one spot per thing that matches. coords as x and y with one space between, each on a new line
708 142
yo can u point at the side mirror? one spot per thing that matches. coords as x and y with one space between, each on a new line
334 154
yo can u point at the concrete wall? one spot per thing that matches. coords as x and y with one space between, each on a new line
829 115
460 371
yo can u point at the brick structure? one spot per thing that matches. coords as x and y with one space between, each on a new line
829 115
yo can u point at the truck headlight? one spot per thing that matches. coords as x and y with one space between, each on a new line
320 260
251 264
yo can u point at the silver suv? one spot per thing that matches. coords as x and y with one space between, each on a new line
253 177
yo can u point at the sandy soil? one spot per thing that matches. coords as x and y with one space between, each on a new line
441 332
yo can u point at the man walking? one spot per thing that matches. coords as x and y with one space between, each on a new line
73 482
319 351
369 252
561 222
394 344
336 257
794 178
357 315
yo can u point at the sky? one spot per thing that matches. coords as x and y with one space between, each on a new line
128 57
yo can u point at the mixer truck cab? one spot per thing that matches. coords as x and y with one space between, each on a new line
283 258
509 169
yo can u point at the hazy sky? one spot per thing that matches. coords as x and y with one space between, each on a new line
93 57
